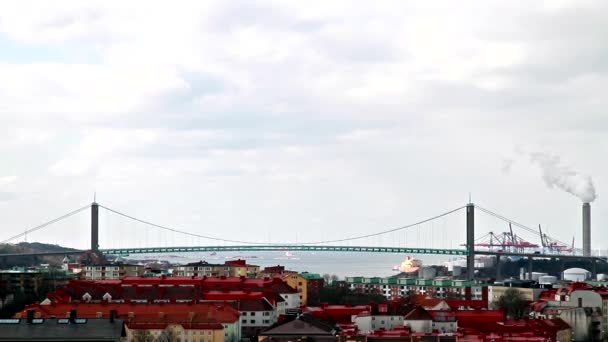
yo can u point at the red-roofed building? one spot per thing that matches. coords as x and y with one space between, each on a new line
341 314
477 319
419 320
581 305
266 298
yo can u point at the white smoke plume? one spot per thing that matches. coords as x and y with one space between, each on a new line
563 177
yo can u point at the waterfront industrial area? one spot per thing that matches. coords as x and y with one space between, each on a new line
515 290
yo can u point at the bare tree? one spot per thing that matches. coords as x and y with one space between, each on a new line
326 278
167 335
142 336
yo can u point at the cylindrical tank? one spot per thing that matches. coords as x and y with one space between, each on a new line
576 274
427 272
547 279
537 275
457 271
602 277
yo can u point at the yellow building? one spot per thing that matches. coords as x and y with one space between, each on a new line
112 271
307 284
193 332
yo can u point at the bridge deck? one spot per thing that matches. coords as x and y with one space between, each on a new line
312 248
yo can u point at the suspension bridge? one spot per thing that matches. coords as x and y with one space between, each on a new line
504 244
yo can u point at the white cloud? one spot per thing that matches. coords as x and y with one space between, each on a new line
270 112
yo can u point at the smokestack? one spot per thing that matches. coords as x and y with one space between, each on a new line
586 229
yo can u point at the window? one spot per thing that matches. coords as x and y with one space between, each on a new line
252 313
266 321
244 313
299 283
244 321
252 321
266 313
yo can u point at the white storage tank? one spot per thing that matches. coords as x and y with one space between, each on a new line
576 274
456 271
547 280
427 272
602 277
537 275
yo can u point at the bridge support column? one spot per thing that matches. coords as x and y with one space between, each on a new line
498 268
530 268
470 241
94 227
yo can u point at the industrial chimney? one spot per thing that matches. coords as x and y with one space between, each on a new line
586 229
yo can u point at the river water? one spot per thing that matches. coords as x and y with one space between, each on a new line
338 263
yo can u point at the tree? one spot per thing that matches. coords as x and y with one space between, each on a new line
167 335
142 336
513 302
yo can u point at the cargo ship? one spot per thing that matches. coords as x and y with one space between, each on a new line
408 265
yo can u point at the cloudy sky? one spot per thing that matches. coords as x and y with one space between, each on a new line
288 121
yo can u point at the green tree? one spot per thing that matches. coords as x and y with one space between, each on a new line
513 302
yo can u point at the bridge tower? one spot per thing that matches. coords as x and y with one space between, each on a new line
470 241
94 227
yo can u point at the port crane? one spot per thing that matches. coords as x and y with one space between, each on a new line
505 241
552 245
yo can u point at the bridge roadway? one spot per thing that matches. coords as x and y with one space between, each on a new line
291 248
311 248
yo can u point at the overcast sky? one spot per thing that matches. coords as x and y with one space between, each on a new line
285 121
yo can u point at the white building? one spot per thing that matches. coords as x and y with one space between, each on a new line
367 322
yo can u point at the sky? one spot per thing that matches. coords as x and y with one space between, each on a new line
288 121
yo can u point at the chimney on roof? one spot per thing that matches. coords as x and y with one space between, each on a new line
112 315
30 315
191 316
73 316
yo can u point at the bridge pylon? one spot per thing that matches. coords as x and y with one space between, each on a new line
94 227
470 241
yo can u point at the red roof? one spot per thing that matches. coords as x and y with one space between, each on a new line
418 313
475 318
442 315
147 313
341 314
173 289
548 294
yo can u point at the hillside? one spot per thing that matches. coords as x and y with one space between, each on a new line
30 247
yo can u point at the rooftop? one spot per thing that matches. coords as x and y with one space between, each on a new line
60 330
151 313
